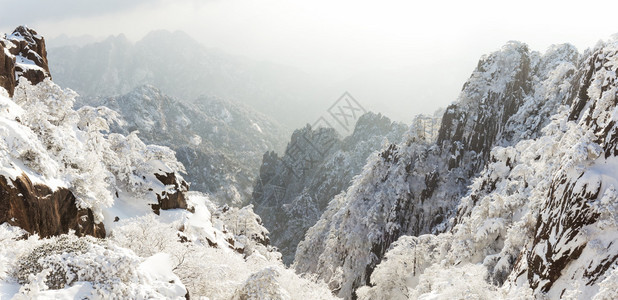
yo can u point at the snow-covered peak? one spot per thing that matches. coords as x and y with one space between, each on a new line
22 55
294 189
23 33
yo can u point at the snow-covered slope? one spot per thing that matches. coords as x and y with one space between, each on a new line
293 190
219 142
85 213
61 173
413 188
541 219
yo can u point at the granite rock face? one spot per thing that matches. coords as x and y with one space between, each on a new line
23 54
38 209
174 198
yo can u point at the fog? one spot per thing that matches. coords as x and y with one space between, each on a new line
400 58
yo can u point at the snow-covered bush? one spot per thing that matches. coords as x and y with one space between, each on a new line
108 271
15 242
194 259
466 281
47 112
48 257
277 282
247 228
404 264
262 285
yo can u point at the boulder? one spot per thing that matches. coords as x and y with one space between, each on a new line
175 198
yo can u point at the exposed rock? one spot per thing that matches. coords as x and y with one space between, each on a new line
558 228
23 55
175 199
7 68
38 209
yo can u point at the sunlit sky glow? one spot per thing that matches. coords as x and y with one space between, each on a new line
336 40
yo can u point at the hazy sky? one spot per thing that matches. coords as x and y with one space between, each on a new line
427 48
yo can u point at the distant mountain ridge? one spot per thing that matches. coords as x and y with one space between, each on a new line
219 142
181 67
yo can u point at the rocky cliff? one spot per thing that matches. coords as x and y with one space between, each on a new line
37 209
412 188
293 190
23 55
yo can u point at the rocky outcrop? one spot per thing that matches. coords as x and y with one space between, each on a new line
472 126
174 195
35 207
540 219
38 209
23 54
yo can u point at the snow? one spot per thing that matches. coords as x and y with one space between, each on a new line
256 127
16 138
196 140
602 173
80 290
126 206
157 271
27 64
8 289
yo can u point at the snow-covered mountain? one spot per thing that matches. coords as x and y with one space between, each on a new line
540 220
219 142
89 214
514 197
516 200
183 68
293 190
